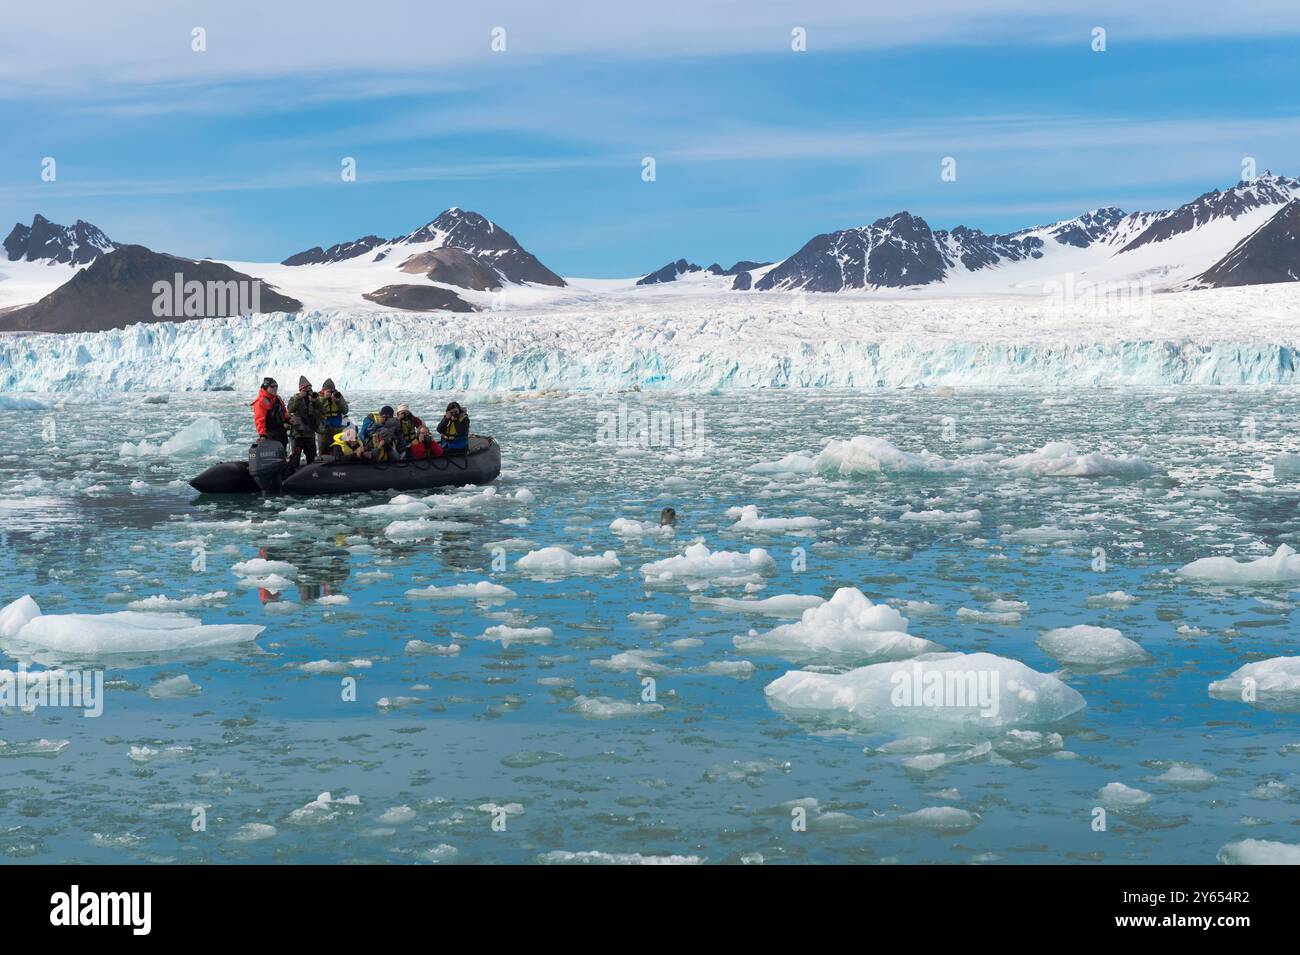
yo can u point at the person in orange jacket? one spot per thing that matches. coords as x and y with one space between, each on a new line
270 415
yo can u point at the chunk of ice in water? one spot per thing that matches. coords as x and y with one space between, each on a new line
969 693
1282 567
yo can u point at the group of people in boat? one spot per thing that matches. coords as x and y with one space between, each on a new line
314 422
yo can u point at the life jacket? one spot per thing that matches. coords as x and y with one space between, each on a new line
455 432
410 428
334 409
342 448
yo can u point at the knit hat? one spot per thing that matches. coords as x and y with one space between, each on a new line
269 383
303 383
386 410
401 408
329 385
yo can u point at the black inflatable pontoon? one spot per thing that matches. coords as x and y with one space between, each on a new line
481 465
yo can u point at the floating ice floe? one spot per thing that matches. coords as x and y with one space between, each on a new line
174 688
1259 852
604 708
1114 598
697 562
401 506
254 832
778 605
1118 797
506 635
848 628
165 603
1272 684
976 692
324 809
868 455
1063 459
1286 467
421 528
558 562
200 436
423 647
790 464
633 661
961 518
23 403
126 631
747 519
482 590
47 748
592 857
624 527
1186 776
865 455
1088 646
1282 567
147 754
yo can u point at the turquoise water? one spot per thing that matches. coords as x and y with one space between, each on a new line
491 733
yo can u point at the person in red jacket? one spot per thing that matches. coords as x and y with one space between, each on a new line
269 413
424 446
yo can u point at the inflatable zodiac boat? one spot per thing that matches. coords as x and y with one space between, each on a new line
266 473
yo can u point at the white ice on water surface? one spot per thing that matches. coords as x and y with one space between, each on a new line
864 698
778 605
1117 796
1085 645
125 631
479 590
747 519
1260 852
559 562
848 628
1274 683
1282 567
867 455
697 562
200 436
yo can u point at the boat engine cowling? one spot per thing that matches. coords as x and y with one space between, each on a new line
267 465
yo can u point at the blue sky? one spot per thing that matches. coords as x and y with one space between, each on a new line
235 152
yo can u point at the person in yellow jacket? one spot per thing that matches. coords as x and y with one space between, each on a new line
348 446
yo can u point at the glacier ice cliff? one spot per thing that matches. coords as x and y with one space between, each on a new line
899 345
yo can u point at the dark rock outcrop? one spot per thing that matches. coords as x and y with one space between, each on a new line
132 285
43 240
419 298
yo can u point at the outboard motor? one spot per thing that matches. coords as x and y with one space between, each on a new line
267 465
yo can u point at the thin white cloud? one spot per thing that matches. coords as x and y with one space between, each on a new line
88 46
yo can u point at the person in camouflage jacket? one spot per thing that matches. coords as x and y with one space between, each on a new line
306 415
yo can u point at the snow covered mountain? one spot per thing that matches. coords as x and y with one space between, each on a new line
1164 248
669 273
46 241
456 228
1269 254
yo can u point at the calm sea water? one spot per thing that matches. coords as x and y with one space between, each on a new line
481 756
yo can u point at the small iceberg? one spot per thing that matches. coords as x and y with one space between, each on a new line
1282 567
127 631
848 629
980 693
